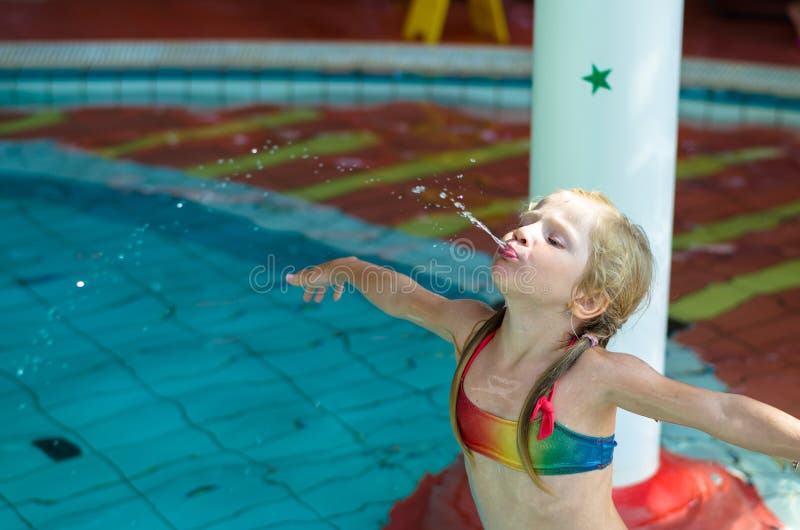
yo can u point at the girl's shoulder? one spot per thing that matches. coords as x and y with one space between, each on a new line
466 316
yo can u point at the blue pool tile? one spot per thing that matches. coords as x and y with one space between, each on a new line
96 380
330 354
89 408
180 371
80 506
18 455
393 334
368 516
61 480
388 421
292 334
133 425
230 316
25 313
100 293
266 426
39 340
140 311
9 520
42 366
152 338
336 377
223 399
200 492
150 455
313 464
361 394
426 457
280 442
196 355
20 417
424 363
123 513
363 485
19 228
286 513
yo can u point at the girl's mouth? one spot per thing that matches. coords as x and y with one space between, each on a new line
507 252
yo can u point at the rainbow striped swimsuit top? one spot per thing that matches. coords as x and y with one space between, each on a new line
556 450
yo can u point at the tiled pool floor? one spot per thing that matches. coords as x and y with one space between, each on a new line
194 401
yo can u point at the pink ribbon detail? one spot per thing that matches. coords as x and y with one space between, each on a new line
548 416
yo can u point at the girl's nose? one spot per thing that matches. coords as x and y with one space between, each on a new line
520 237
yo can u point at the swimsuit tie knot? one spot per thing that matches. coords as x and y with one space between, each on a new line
548 417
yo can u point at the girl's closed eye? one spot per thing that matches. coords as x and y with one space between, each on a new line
555 241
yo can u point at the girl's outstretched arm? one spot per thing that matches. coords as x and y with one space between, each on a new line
393 293
633 385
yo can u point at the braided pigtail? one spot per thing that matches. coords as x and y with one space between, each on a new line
542 386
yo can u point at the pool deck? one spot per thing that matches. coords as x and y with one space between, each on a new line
706 34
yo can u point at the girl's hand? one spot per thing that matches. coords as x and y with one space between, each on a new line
316 280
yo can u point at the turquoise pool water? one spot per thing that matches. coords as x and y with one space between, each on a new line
164 391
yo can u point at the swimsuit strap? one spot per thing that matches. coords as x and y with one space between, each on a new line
483 343
545 403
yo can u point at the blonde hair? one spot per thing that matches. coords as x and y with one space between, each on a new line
620 266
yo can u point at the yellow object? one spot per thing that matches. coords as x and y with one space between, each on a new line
489 18
425 19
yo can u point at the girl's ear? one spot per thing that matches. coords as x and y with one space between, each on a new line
586 307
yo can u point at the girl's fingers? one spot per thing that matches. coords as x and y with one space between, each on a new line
320 294
338 289
308 294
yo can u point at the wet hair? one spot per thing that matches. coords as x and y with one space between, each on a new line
620 267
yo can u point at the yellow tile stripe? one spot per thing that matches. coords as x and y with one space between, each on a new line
251 123
705 165
323 144
721 297
423 166
442 224
32 121
737 226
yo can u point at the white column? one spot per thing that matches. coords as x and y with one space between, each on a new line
620 140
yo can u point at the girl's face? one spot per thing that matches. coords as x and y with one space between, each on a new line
550 249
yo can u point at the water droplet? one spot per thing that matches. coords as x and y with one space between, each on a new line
418 189
254 150
80 283
443 195
179 205
472 160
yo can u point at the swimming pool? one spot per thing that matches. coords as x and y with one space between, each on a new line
148 329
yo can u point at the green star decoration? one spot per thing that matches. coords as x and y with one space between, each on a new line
598 79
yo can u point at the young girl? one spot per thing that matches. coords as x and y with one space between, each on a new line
534 398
